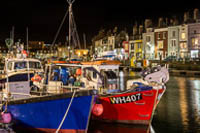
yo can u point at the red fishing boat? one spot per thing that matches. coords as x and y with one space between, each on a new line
136 104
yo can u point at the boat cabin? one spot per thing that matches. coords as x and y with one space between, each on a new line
66 77
13 65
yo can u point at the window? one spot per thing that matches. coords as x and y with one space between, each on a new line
173 33
164 35
35 65
148 38
160 44
94 75
20 65
183 45
132 46
183 35
159 35
173 43
195 42
139 45
9 65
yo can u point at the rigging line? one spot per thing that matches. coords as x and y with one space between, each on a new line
76 33
59 28
65 115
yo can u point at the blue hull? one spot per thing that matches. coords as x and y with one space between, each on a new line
46 113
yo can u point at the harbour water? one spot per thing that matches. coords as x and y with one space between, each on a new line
177 112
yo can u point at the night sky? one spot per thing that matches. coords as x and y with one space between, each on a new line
43 17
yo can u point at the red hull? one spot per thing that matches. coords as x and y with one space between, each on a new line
129 107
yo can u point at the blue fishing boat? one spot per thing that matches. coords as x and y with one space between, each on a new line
53 106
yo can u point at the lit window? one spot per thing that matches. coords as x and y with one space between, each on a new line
160 44
183 35
183 45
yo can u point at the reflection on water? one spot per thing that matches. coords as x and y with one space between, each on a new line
179 109
177 112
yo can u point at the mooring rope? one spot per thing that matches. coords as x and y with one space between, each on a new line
66 112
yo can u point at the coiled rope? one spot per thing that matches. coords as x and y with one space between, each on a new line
66 112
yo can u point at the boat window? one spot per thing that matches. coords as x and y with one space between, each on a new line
20 65
35 65
94 75
9 65
110 75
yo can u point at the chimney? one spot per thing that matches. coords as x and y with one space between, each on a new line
176 22
148 23
140 29
171 22
160 22
186 17
196 14
135 29
166 22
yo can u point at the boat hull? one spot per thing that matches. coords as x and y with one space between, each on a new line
46 113
129 107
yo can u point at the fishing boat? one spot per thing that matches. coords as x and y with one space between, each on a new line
133 102
18 70
55 106
41 109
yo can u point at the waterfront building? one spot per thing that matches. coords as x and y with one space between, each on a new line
137 42
138 49
111 43
98 46
173 41
194 40
183 41
149 44
161 43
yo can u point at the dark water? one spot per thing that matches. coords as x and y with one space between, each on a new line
177 112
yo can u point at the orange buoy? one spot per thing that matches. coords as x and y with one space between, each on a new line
97 109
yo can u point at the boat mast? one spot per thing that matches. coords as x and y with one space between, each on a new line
70 13
73 35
